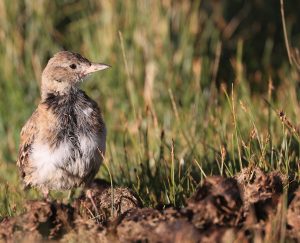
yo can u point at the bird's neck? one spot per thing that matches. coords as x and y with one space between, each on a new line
61 89
73 91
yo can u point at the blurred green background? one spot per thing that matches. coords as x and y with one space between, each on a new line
184 98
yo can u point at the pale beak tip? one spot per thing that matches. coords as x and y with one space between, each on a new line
102 66
97 67
107 66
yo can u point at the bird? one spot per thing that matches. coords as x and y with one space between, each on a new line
62 144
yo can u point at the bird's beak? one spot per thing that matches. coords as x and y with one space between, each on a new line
96 67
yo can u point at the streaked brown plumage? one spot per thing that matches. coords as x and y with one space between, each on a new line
62 143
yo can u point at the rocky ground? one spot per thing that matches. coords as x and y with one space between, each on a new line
250 207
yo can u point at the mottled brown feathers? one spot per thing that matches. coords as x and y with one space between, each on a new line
62 144
26 139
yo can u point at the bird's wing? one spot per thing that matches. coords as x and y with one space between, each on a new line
26 140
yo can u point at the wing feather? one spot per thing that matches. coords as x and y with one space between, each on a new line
26 140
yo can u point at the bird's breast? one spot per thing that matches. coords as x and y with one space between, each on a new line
65 159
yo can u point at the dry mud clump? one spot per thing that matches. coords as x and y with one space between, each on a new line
42 220
109 203
216 203
260 191
151 225
293 216
243 209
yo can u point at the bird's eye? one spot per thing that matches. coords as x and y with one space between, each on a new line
73 66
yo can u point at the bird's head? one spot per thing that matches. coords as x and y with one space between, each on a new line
65 70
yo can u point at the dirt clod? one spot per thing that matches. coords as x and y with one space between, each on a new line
260 191
110 203
293 216
150 225
42 220
216 202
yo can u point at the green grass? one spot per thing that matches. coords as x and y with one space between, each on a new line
171 118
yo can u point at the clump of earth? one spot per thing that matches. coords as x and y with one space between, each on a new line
246 208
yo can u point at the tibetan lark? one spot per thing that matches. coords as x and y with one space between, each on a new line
63 142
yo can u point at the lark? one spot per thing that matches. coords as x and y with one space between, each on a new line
63 142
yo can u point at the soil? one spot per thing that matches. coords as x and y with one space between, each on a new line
246 208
